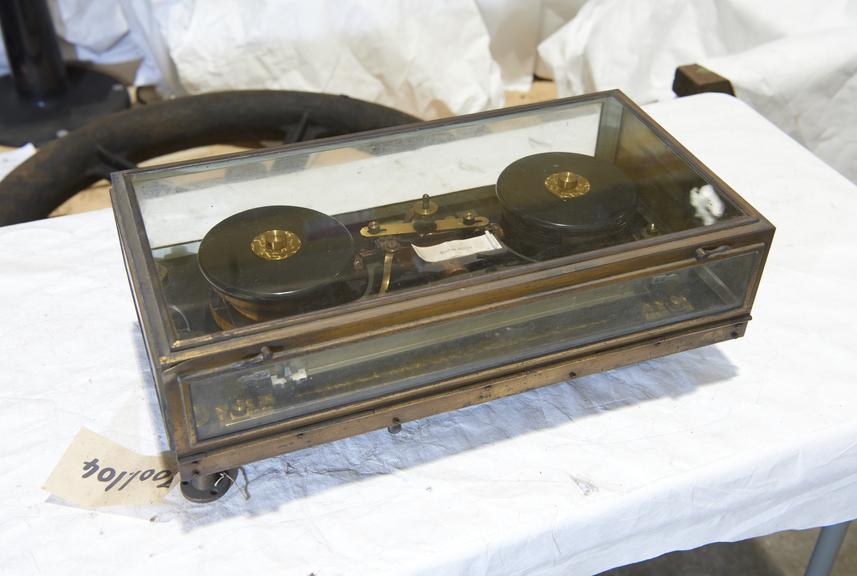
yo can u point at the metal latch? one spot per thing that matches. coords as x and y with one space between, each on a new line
705 253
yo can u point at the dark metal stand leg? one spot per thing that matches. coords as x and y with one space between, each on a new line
43 99
826 548
207 488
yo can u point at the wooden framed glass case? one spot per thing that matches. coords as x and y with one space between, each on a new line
297 295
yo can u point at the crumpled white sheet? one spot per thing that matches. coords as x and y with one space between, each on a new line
513 27
795 61
429 58
94 29
89 31
811 95
555 14
110 32
722 443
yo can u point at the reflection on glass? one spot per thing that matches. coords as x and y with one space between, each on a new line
386 214
288 387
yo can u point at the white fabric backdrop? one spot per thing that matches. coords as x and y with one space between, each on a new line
426 57
430 57
795 61
90 31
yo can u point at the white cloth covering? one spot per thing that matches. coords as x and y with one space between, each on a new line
431 58
806 84
90 31
794 61
428 58
722 443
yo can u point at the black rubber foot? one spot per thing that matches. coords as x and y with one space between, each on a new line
90 94
208 488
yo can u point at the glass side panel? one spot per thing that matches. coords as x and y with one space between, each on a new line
273 234
243 397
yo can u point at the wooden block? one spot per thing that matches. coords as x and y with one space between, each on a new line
695 79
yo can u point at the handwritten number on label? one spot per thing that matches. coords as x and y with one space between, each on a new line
128 481
109 476
162 475
106 474
90 468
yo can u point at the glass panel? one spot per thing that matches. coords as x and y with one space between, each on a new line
273 234
238 398
671 197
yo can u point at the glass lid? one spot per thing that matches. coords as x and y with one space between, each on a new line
273 234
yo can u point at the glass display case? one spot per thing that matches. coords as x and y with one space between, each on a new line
297 295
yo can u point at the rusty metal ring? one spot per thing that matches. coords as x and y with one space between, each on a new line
118 141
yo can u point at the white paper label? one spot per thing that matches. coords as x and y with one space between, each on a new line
96 472
458 248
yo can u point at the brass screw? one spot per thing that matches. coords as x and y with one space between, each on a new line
374 227
469 218
425 207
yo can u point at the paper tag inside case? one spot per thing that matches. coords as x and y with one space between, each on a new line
458 248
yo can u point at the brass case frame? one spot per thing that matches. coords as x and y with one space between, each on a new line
170 361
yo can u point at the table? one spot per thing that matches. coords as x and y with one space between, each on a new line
724 443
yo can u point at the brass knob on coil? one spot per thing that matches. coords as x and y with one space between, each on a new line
567 185
275 244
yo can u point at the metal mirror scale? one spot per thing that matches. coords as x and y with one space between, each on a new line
296 296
